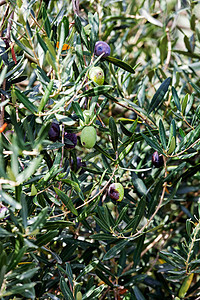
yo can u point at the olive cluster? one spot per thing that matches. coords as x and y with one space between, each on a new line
88 135
96 74
70 139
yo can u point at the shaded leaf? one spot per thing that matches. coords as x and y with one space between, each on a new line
23 99
158 97
119 63
66 200
114 133
115 250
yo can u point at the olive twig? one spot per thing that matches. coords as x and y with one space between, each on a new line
177 154
169 52
101 191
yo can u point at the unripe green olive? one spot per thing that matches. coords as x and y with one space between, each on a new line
79 296
96 74
88 137
116 191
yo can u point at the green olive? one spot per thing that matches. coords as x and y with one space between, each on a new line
88 137
96 74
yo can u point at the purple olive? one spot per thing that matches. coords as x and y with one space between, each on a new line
79 165
116 191
70 140
157 160
54 132
102 47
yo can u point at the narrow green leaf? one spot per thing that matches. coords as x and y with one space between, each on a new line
186 53
96 91
115 250
172 145
28 28
50 225
29 171
79 52
5 233
78 110
197 89
121 215
114 133
24 100
94 292
188 228
40 220
4 197
69 274
42 43
51 61
139 212
154 198
46 21
75 179
21 45
102 236
71 183
138 294
132 224
125 130
20 289
81 30
16 258
139 185
190 172
125 152
51 47
88 269
66 200
3 74
187 43
64 31
46 238
94 22
121 263
173 193
119 63
102 223
184 103
28 274
65 289
46 95
100 150
158 98
176 99
103 278
152 144
162 134
138 250
189 104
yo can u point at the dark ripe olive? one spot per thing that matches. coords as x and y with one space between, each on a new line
70 140
157 160
116 191
102 47
54 132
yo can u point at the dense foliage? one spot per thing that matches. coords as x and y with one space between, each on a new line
66 136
